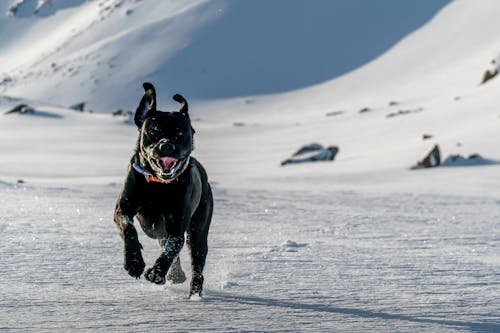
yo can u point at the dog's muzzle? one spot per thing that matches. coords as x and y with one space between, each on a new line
174 168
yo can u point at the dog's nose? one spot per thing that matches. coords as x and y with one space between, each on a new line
167 148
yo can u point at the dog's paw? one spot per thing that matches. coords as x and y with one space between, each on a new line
154 275
196 285
176 275
134 264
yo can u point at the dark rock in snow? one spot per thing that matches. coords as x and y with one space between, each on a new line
431 159
43 8
24 109
488 76
364 110
308 148
127 114
78 107
21 109
118 112
6 80
491 72
404 112
472 160
312 153
334 113
427 136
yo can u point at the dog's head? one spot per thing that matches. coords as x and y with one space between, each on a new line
166 138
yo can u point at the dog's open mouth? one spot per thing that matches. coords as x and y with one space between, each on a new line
167 164
168 167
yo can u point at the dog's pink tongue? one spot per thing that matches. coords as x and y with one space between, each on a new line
167 163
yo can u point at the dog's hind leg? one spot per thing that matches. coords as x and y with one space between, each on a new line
198 241
175 274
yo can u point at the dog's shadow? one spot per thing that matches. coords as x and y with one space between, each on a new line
215 296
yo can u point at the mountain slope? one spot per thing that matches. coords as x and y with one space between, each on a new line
100 51
427 84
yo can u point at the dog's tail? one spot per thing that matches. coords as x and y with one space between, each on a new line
184 104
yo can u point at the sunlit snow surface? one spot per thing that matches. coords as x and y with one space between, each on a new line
363 244
278 261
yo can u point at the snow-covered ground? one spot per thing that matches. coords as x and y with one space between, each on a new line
362 244
278 261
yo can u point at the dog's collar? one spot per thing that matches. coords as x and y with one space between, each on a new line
152 178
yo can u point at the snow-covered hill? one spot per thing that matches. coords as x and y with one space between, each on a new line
427 84
66 52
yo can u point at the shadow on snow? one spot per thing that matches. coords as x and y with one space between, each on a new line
269 302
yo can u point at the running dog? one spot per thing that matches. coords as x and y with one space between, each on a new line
167 190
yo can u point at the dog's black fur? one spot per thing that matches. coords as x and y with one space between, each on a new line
169 207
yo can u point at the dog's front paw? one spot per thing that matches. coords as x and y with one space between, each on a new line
134 264
155 275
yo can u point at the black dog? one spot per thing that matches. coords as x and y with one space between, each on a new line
168 191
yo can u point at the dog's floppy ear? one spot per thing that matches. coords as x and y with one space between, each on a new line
184 104
147 105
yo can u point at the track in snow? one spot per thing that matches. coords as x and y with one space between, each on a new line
278 261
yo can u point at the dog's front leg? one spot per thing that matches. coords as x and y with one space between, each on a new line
173 246
126 209
133 261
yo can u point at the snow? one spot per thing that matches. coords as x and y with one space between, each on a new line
347 261
187 45
361 244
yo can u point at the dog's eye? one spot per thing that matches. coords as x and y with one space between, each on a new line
155 131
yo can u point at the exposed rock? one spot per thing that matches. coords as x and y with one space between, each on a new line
29 8
238 124
128 115
427 136
78 107
472 160
312 153
431 159
118 112
404 112
492 71
21 109
308 148
364 110
334 113
24 109
488 76
6 80
393 103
